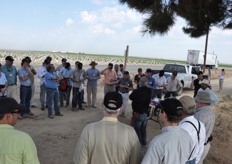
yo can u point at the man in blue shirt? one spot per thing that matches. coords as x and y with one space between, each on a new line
66 72
92 74
25 76
11 75
51 82
151 81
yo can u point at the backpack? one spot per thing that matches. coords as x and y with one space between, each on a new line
63 84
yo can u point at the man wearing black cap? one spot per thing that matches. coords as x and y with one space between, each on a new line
108 140
174 144
16 146
138 76
11 75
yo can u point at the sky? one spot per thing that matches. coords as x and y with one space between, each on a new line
98 27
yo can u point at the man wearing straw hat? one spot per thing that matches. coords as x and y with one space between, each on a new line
205 114
92 74
194 127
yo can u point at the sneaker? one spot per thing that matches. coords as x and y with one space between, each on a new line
31 114
59 114
94 106
83 102
51 116
42 108
33 106
82 108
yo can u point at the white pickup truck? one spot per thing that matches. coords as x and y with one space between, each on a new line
185 73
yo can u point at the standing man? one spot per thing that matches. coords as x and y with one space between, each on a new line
11 75
118 73
3 83
78 76
121 68
63 61
125 85
32 81
138 76
110 78
51 81
16 147
173 85
197 82
108 141
160 80
66 72
174 144
92 75
41 73
194 127
151 82
141 98
221 79
25 76
205 114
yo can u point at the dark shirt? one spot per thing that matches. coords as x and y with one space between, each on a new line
137 78
124 85
141 98
197 86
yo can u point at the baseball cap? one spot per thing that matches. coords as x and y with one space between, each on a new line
172 107
148 70
126 73
113 100
8 105
10 58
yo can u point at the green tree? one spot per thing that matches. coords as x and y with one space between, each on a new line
200 15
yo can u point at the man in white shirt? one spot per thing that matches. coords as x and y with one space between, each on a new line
194 127
160 81
173 85
108 141
174 144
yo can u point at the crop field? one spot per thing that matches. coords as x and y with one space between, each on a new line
39 56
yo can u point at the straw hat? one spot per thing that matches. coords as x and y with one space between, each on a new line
206 82
93 63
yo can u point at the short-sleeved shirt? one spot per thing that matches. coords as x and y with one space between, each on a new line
48 80
3 79
92 73
16 147
11 74
78 75
24 73
151 83
42 71
66 73
124 82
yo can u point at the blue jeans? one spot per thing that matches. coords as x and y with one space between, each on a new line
77 98
42 95
53 97
25 98
140 125
193 161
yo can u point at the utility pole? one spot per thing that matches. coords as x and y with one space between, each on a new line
126 56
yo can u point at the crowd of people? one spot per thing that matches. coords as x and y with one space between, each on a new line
187 122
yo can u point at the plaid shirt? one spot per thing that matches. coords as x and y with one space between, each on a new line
207 117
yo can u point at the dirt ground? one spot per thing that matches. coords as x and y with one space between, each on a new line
56 138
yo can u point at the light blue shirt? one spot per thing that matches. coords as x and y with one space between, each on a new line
93 74
66 73
48 80
24 73
11 74
151 83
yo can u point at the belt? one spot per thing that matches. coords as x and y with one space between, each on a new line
109 84
11 84
25 86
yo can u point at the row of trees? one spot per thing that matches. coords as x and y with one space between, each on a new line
200 15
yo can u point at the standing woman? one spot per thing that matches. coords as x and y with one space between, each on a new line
221 79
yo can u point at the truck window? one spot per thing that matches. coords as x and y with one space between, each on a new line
181 69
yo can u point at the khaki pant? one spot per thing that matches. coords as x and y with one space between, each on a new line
91 91
125 97
12 91
221 84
